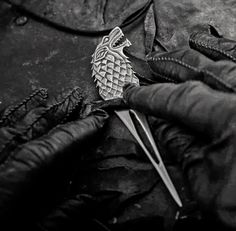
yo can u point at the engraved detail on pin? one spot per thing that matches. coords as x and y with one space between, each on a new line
111 68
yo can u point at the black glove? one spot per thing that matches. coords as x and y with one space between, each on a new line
199 104
39 151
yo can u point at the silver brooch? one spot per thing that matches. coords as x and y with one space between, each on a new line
111 70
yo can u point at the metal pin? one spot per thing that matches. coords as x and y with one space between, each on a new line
113 79
160 167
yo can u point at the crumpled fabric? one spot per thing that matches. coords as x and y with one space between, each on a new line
82 15
41 56
176 20
41 140
119 169
198 108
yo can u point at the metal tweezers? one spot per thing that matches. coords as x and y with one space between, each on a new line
125 116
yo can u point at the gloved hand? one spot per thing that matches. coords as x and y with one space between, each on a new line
197 108
39 151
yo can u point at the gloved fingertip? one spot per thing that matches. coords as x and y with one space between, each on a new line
99 118
127 91
99 112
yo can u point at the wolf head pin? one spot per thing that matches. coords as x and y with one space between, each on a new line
111 68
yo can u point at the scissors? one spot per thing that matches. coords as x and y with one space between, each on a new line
111 70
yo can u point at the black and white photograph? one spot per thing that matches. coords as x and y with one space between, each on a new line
117 115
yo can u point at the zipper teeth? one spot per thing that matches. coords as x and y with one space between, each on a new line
207 46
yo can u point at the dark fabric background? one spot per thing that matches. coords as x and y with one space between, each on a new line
34 54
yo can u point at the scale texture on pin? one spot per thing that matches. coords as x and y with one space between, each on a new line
111 68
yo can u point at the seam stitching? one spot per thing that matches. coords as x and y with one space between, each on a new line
4 146
207 46
41 91
158 75
226 85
